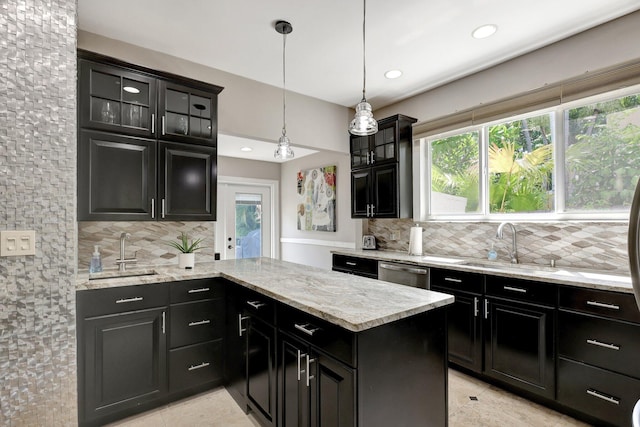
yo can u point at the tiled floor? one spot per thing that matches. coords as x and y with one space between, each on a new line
493 407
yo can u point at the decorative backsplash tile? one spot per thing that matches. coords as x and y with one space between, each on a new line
148 241
37 192
594 245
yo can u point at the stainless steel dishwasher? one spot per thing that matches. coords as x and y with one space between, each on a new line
404 274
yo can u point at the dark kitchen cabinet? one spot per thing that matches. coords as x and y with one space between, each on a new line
519 334
261 369
598 348
187 182
122 351
174 177
365 267
465 315
381 181
116 177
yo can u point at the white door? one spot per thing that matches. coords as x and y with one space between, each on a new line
243 229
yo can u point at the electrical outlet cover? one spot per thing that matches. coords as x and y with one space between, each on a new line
17 242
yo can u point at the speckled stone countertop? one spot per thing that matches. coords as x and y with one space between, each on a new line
594 279
354 303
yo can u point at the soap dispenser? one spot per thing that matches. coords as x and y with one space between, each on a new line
492 255
96 261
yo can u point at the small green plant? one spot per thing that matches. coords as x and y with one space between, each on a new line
186 245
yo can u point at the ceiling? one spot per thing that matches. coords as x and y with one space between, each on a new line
430 41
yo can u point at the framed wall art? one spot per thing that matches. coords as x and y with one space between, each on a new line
317 199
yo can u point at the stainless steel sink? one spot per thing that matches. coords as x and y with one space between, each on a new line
505 266
556 271
121 274
447 260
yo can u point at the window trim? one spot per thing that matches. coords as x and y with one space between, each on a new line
422 163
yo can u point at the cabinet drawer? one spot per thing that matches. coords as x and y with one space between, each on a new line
521 290
332 339
602 342
599 393
257 305
196 322
361 266
616 305
457 280
193 290
96 302
195 365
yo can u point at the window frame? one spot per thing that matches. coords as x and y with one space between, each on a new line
422 164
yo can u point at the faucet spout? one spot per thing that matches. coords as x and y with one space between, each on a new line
514 245
122 262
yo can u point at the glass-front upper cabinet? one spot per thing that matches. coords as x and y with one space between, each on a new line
187 114
116 99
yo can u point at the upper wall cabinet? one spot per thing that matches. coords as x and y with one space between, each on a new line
147 144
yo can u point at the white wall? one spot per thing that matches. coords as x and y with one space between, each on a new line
253 169
314 247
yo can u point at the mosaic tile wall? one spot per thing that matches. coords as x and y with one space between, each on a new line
148 238
38 192
601 246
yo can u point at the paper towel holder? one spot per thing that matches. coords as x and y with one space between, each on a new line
415 240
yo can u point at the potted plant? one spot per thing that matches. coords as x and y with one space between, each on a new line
187 248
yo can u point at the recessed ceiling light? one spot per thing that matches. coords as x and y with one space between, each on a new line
246 149
131 89
484 31
393 74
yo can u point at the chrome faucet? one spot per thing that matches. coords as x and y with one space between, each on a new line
513 253
122 262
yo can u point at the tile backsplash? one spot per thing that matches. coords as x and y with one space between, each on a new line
593 245
148 241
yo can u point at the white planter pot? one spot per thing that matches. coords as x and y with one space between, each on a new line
186 260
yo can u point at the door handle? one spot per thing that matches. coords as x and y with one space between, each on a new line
309 376
241 319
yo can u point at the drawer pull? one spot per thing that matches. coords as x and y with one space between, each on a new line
352 264
300 371
201 322
241 319
511 288
256 304
486 308
451 279
476 310
124 300
307 328
603 396
603 305
308 370
202 365
604 344
195 291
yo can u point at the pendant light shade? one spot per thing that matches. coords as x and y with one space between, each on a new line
284 151
363 123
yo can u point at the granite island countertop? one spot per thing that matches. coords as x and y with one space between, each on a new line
352 302
583 278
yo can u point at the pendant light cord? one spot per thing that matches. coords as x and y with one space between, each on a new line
364 50
284 91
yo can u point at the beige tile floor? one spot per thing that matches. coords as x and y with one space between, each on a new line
493 407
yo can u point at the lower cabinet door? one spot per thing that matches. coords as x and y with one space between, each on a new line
519 347
261 372
333 397
294 394
124 361
195 365
602 394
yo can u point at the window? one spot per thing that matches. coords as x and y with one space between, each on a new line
576 161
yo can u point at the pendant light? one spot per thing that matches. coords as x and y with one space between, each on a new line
363 123
284 150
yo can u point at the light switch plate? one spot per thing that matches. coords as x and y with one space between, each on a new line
17 242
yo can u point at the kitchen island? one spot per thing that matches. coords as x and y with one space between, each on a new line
372 353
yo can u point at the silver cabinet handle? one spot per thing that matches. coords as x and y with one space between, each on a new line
300 355
603 344
372 157
352 264
241 319
476 310
408 269
368 161
309 376
305 328
164 318
373 207
603 305
451 279
199 323
195 291
603 396
256 304
367 210
153 122
162 209
486 309
153 208
511 288
163 128
125 300
202 365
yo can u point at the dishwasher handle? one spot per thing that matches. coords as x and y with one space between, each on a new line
405 268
